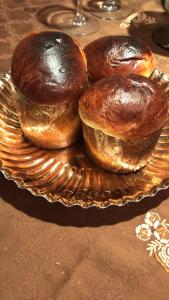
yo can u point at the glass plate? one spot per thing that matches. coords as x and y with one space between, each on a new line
67 175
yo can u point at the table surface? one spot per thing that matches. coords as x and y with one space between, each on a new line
48 251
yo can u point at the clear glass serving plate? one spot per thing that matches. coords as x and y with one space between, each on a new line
68 175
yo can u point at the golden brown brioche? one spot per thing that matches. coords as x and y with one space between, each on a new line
49 73
118 54
126 106
122 118
45 67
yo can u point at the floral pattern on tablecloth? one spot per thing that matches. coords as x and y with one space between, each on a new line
156 231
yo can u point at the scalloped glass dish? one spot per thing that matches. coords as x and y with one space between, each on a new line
67 175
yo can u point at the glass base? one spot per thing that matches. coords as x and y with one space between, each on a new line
161 36
107 11
67 21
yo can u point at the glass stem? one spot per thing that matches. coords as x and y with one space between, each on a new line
79 19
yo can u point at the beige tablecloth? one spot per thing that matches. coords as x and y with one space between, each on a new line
48 251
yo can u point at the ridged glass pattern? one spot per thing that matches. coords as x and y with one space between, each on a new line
68 175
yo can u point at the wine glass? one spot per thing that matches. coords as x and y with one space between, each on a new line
160 34
108 9
71 21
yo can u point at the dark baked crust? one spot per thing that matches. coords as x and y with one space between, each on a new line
118 54
49 67
126 106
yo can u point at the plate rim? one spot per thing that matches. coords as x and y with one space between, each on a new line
84 204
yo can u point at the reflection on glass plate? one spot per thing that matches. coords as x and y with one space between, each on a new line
67 175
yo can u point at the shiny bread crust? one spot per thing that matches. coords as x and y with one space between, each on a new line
118 54
48 68
125 106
